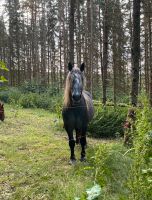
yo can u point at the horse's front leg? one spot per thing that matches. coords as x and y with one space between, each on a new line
77 136
71 145
83 146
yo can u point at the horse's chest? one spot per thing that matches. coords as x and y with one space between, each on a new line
79 117
76 117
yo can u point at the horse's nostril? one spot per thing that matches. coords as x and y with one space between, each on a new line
76 97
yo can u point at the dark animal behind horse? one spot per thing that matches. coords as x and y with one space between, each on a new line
2 116
78 108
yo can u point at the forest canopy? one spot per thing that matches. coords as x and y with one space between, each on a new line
40 37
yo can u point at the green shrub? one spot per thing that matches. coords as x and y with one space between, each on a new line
14 96
107 122
140 181
45 100
11 95
110 166
27 100
4 96
3 80
92 193
32 87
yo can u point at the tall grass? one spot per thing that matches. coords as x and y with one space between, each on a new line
140 182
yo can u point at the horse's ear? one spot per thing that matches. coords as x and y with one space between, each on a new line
82 67
70 66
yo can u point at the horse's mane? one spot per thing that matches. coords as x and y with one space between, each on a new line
67 91
87 98
67 100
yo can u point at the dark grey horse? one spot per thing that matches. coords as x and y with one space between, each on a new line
78 109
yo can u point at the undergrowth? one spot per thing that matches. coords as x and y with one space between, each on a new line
32 99
107 122
112 171
140 181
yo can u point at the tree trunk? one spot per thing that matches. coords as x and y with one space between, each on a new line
150 59
71 31
78 35
135 52
105 53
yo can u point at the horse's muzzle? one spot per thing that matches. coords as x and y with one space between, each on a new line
76 98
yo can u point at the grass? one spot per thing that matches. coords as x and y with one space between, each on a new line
34 157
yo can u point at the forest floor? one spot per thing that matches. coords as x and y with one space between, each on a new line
34 157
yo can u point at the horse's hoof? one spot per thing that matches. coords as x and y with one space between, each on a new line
72 161
83 159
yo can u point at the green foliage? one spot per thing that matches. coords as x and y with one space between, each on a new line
107 122
3 66
111 167
141 173
94 192
2 78
91 194
14 96
27 99
121 98
4 96
34 87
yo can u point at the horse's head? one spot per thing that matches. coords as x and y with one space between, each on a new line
76 82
